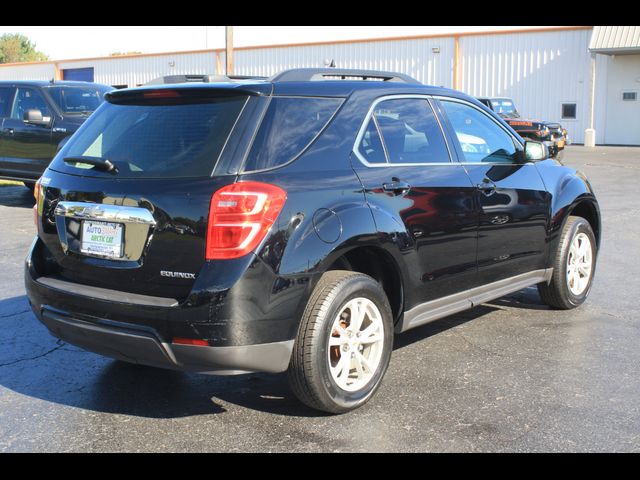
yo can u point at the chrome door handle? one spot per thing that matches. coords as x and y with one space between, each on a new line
487 187
396 186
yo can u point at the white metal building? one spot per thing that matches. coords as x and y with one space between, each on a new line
583 77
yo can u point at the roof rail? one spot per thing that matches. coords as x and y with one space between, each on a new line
315 74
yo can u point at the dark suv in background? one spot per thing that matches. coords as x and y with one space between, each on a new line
295 223
551 133
36 117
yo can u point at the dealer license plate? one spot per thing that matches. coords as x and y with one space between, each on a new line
103 239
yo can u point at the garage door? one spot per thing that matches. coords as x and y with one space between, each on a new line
78 74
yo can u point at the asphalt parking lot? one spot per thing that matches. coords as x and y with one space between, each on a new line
510 375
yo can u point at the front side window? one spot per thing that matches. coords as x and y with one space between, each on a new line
288 127
29 99
481 139
410 132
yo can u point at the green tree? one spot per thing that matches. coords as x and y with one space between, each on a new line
15 47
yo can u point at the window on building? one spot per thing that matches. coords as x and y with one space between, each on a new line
568 111
629 96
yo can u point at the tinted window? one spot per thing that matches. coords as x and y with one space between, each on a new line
289 125
410 131
77 99
481 139
5 100
371 146
181 140
29 99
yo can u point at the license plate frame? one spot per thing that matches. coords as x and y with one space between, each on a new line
102 247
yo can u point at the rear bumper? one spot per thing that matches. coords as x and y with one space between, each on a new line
139 328
133 344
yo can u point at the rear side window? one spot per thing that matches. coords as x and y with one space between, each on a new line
410 131
154 140
288 127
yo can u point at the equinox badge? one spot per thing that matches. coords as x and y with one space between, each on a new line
166 273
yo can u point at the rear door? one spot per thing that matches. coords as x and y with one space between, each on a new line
27 148
140 227
512 199
422 200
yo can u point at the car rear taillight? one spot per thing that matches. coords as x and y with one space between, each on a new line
189 341
240 216
37 190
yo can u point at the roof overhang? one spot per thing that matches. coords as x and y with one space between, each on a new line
615 40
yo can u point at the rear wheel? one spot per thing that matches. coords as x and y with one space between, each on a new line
573 267
344 343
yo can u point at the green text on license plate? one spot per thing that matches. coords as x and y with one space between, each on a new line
101 238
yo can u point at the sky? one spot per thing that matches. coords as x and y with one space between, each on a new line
95 41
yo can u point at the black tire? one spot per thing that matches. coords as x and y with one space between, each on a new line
557 294
30 185
309 374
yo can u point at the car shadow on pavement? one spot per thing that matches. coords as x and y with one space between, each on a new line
35 364
16 196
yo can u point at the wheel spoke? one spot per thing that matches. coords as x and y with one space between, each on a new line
335 341
371 339
364 362
357 316
359 368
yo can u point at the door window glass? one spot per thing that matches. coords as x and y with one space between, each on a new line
29 99
410 131
481 139
5 100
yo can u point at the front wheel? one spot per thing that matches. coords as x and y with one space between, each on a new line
573 267
344 343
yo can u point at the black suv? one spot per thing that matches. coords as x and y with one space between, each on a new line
36 117
550 133
295 224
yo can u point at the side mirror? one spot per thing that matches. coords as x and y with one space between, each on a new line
535 151
35 117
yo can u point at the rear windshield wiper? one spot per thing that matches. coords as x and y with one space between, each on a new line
99 163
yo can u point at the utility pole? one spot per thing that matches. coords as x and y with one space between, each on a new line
229 50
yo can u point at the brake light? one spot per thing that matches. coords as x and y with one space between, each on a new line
189 341
161 94
240 216
37 190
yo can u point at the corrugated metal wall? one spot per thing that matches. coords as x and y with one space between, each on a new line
39 71
539 71
414 57
134 71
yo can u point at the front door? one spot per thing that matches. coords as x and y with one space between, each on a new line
512 199
418 196
26 148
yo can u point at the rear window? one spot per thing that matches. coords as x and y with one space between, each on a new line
154 140
288 127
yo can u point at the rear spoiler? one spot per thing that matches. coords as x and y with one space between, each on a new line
187 91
